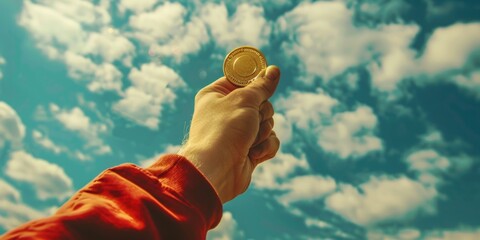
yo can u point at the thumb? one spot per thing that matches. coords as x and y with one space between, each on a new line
264 87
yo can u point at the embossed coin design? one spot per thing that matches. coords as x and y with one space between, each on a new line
243 64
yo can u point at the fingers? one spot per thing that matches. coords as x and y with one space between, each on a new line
264 87
221 86
266 111
264 131
265 150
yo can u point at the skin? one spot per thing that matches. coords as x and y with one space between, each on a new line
231 132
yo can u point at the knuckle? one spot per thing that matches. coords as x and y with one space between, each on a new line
199 95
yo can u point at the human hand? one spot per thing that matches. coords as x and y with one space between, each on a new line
231 132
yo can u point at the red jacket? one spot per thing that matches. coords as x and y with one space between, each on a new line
169 200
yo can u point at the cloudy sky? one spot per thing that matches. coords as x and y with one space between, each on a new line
377 109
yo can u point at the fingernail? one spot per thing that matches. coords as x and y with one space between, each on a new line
272 73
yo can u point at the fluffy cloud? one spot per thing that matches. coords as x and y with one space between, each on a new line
166 31
382 199
159 24
80 35
227 229
306 188
99 77
431 166
404 234
46 142
349 134
153 87
171 30
283 128
321 34
76 121
12 129
8 192
428 164
47 179
247 26
451 47
469 82
12 211
271 174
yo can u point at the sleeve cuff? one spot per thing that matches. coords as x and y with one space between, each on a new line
179 174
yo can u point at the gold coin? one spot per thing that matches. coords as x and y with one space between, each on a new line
243 64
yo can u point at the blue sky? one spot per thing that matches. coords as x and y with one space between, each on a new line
377 109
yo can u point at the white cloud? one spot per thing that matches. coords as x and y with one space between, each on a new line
433 136
46 142
12 129
12 214
450 47
311 222
108 44
447 51
169 149
167 32
49 26
282 128
404 234
430 166
12 211
79 33
76 121
349 134
135 5
382 199
469 82
247 26
320 35
160 24
8 192
427 161
48 180
104 77
270 174
153 87
306 188
227 229
306 109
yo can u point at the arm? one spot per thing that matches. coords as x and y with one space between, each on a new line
168 200
179 196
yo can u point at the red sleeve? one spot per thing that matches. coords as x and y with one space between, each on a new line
169 200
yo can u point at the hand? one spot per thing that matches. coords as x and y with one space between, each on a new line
231 132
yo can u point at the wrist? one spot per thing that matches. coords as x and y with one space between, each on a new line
209 164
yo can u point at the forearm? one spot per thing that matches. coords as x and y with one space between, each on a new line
169 200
